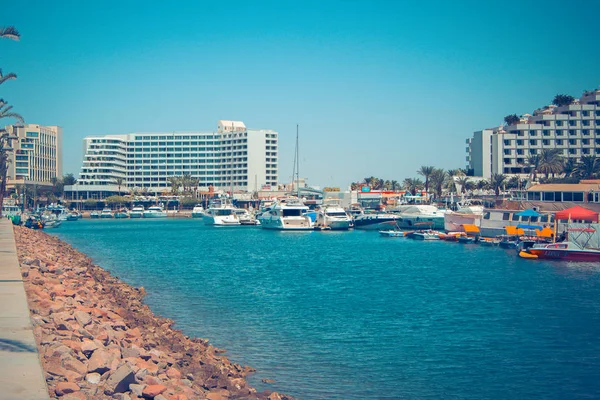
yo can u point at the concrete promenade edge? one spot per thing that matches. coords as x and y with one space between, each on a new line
21 374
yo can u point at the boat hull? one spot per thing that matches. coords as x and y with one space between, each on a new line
228 220
287 224
374 224
155 215
566 255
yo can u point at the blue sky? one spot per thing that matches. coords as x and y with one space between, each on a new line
378 87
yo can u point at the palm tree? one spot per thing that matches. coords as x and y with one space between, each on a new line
119 181
569 167
438 178
562 100
69 179
175 182
550 161
9 32
463 181
587 167
6 113
533 164
496 182
412 185
7 77
483 184
512 119
394 185
426 172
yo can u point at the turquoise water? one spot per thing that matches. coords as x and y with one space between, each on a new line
352 315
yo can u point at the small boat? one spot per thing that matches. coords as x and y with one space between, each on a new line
508 241
122 213
565 251
451 236
155 212
332 215
426 235
73 217
221 212
198 211
489 242
245 217
286 214
106 213
52 223
137 212
393 233
466 239
94 214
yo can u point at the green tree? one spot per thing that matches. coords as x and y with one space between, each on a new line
438 179
533 165
563 100
569 167
512 119
550 162
425 172
119 181
463 181
587 167
412 185
394 185
496 183
69 179
57 186
483 184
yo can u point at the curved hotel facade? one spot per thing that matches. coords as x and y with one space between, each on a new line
233 156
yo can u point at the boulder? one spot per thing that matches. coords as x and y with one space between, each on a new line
63 388
119 381
83 318
151 391
137 389
173 373
93 378
100 361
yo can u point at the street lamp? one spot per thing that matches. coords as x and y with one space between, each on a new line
5 147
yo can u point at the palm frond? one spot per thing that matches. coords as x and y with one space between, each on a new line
7 77
9 32
14 115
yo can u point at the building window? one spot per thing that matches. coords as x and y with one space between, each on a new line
533 142
519 142
532 133
572 132
559 132
546 132
559 123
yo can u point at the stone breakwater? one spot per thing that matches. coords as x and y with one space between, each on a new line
98 340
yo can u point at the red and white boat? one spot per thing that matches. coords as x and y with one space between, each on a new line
566 251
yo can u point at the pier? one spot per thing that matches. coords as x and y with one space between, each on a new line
21 375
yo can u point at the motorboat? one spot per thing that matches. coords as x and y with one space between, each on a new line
286 214
198 211
93 215
466 239
413 215
106 213
566 251
394 233
245 217
73 216
52 223
489 242
220 212
122 213
495 221
137 212
332 215
155 212
425 235
467 213
379 221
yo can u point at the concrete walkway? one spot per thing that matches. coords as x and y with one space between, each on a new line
21 374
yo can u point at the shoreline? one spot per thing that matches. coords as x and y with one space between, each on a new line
97 339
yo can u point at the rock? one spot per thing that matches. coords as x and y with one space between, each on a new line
141 374
121 396
75 366
160 397
88 347
119 381
268 380
151 391
100 361
137 389
218 395
274 396
63 388
93 378
130 352
83 318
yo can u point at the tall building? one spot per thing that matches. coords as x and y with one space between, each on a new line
232 157
573 129
37 154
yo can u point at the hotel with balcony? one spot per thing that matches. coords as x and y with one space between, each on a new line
232 157
573 129
36 157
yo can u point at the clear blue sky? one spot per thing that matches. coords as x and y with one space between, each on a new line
378 87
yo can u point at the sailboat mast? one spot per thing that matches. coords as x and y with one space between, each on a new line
297 165
231 162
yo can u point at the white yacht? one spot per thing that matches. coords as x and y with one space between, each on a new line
286 214
198 211
154 212
467 213
137 212
333 216
220 213
420 216
106 213
245 217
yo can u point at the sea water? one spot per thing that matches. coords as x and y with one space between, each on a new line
353 315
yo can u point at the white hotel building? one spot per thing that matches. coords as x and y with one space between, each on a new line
574 129
233 156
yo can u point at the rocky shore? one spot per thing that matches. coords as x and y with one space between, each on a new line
98 340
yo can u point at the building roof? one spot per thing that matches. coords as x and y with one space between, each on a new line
235 124
565 187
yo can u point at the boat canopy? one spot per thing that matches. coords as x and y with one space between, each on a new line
578 213
546 232
525 226
470 228
528 213
513 230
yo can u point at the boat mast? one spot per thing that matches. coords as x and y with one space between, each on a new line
231 163
296 157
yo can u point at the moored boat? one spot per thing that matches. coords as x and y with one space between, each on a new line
425 235
137 212
394 233
155 212
122 213
333 216
198 211
93 215
106 213
565 251
286 214
221 213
